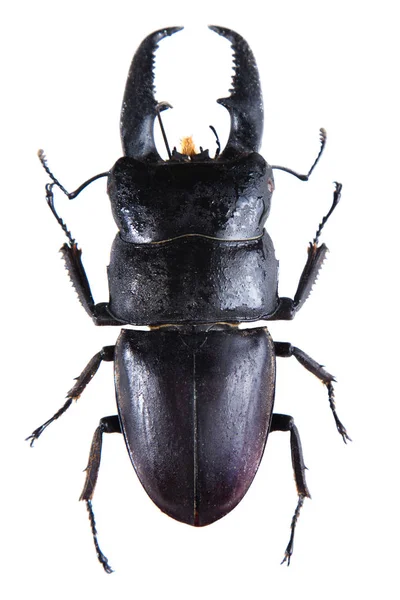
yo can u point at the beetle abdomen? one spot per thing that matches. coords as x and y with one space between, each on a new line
195 411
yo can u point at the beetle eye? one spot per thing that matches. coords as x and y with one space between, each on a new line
270 185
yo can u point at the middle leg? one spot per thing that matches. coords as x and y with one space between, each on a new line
106 354
286 350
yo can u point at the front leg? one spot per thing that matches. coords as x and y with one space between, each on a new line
316 255
76 271
72 254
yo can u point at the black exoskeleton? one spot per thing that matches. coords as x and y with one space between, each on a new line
192 261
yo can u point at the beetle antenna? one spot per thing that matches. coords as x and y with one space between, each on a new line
103 559
336 198
160 107
50 202
217 140
322 137
50 195
43 160
70 195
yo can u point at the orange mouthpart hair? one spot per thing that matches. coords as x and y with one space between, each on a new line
187 146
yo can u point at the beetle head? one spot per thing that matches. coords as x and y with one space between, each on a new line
140 109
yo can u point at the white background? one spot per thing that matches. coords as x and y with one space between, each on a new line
330 64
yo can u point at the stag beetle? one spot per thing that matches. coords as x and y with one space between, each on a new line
191 261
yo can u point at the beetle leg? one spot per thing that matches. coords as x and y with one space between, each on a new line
286 350
73 263
106 425
286 423
105 354
72 254
316 256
